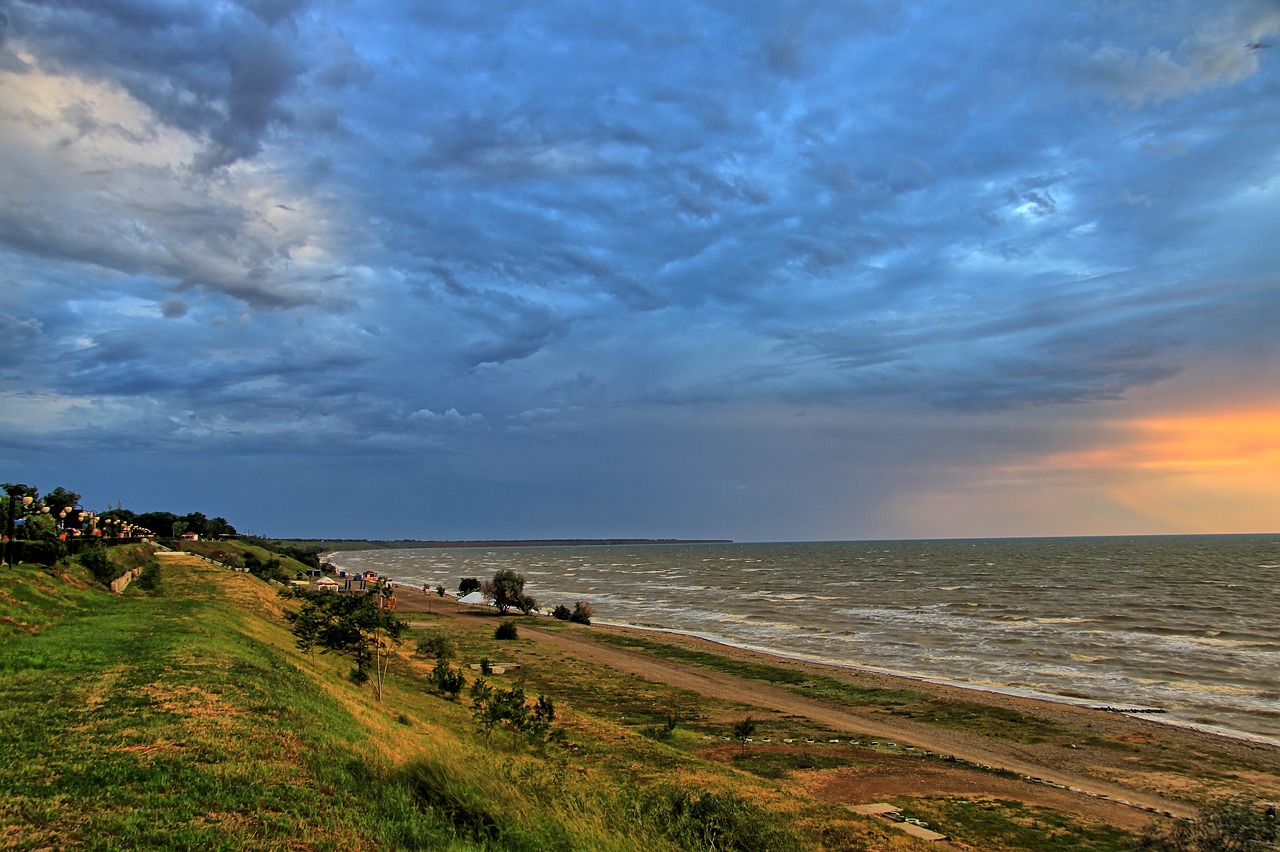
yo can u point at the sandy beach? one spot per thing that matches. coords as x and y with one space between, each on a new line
1124 771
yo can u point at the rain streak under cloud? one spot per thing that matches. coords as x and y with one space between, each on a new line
744 270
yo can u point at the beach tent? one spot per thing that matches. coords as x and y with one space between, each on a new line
474 598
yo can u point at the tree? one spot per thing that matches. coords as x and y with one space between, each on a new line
359 626
221 528
467 585
160 523
12 511
743 731
508 708
197 523
60 499
508 589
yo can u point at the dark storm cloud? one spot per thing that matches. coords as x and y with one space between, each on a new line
393 227
218 71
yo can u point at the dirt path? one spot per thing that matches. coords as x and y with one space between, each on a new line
859 721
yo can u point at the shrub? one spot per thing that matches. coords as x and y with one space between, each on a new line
467 585
42 552
582 612
743 730
1235 823
561 612
149 579
440 590
528 604
447 680
436 645
714 821
506 630
95 560
664 731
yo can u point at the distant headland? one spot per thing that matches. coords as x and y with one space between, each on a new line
373 544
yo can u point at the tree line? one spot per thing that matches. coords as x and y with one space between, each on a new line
42 529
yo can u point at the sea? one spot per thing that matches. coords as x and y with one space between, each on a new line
1185 625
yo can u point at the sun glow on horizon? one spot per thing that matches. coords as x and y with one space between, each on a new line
1210 471
1197 472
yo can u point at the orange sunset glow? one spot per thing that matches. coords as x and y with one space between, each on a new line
1210 471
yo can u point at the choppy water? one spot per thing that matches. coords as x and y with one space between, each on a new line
1189 624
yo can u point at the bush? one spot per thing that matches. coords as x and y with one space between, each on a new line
1234 823
95 560
149 579
436 645
506 630
467 585
41 552
714 821
582 612
561 612
447 680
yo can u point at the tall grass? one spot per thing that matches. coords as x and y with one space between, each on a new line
187 719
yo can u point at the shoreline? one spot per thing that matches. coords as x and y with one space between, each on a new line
1070 755
1144 713
1101 708
1100 705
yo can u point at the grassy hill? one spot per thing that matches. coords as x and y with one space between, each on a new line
184 717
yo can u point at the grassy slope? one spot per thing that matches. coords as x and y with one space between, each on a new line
186 718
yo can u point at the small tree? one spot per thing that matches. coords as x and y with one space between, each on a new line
447 680
359 626
561 612
467 585
743 731
506 630
508 589
582 612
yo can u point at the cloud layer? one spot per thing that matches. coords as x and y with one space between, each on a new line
576 269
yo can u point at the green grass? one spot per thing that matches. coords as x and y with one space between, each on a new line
187 719
1012 825
987 720
801 682
960 715
780 764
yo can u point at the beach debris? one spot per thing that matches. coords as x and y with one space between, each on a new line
1106 708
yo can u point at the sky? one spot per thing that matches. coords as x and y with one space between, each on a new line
748 270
